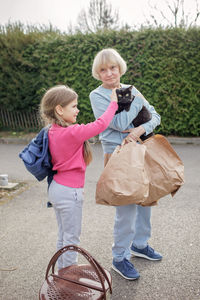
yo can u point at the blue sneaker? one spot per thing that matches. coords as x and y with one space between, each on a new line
148 253
126 269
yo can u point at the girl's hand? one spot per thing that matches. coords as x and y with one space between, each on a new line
134 134
113 96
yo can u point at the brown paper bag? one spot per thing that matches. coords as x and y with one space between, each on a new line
164 168
124 179
140 173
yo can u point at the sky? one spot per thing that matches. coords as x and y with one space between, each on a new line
60 13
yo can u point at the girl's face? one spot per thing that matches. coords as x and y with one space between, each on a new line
69 112
110 76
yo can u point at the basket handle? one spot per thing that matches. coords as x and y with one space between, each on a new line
97 267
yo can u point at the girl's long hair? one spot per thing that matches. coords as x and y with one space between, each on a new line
60 95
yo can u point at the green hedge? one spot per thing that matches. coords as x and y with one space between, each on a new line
164 64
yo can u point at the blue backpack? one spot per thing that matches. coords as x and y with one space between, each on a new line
37 158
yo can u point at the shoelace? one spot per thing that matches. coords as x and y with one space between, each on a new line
128 265
149 250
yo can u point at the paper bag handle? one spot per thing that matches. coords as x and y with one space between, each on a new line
138 139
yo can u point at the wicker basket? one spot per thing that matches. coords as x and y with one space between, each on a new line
88 281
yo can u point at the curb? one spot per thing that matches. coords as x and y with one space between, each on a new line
172 139
26 140
23 141
184 140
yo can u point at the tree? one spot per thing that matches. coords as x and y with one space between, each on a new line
100 16
177 11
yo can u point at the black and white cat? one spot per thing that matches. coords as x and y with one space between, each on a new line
125 98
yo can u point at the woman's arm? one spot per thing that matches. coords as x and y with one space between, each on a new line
147 127
155 118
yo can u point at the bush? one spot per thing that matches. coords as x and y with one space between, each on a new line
164 64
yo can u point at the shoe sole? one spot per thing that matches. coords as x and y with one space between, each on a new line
144 256
114 268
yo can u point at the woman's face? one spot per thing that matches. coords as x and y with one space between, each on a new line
110 76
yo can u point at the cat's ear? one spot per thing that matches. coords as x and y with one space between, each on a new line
118 91
130 87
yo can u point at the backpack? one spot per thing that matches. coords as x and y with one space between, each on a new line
37 158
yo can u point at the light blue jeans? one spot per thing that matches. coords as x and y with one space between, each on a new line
67 203
132 225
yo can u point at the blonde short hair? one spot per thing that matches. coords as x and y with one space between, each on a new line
105 57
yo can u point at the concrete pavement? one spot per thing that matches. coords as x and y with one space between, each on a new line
28 234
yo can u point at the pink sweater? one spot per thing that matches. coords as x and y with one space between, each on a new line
66 147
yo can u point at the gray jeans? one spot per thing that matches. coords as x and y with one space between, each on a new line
67 203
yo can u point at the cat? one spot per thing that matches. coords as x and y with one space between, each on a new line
125 98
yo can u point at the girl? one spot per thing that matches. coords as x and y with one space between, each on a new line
70 154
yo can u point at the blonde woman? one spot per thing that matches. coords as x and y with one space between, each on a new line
132 228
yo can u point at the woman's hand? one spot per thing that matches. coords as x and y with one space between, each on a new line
134 134
113 96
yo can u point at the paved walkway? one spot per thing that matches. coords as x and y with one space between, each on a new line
28 234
